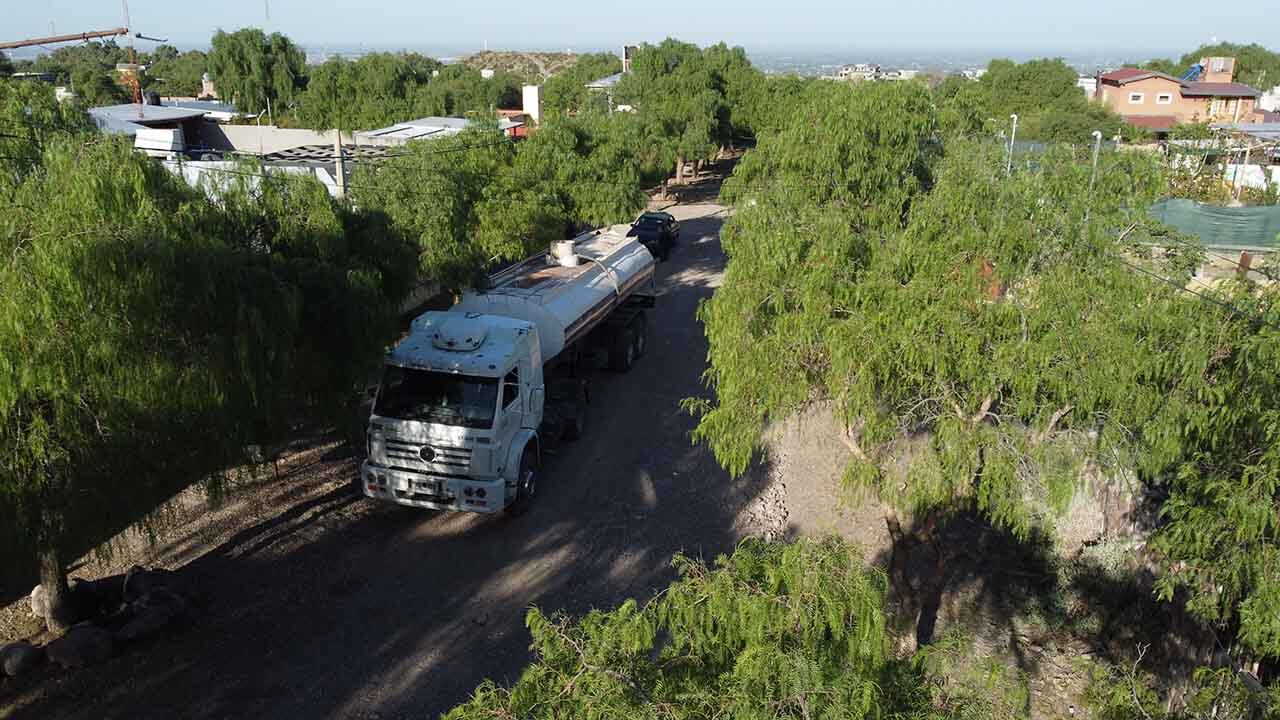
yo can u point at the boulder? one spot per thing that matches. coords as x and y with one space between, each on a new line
82 645
39 603
151 614
20 658
139 581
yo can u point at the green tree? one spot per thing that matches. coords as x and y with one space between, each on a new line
1255 65
6 67
176 74
459 91
253 69
774 631
1044 95
432 191
678 98
97 87
566 93
374 91
149 336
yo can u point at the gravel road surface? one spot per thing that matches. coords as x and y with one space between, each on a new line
315 604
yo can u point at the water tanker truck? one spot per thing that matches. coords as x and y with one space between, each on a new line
471 396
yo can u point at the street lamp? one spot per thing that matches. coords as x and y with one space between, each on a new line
1097 148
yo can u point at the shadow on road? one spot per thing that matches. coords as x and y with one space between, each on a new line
338 607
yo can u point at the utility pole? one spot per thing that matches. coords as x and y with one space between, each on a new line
1097 149
1013 135
340 174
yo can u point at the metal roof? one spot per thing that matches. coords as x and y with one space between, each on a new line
129 118
324 155
208 106
605 82
428 127
1263 131
1219 89
1128 75
1159 123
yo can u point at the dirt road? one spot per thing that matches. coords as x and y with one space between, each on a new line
325 606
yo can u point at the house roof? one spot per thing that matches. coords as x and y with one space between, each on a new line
1128 75
428 127
127 119
1218 89
1269 131
1158 123
605 82
324 154
208 106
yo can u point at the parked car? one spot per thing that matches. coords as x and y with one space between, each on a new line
657 231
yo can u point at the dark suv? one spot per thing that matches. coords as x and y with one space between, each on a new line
657 231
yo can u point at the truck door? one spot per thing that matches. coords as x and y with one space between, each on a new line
512 399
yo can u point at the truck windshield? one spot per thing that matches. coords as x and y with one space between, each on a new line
428 396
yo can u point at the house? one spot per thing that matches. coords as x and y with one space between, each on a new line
858 72
1156 101
1089 84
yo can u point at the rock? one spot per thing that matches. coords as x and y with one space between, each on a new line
39 603
139 581
152 613
82 645
20 658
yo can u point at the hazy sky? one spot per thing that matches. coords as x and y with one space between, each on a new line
1120 27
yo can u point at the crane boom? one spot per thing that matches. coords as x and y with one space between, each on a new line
64 38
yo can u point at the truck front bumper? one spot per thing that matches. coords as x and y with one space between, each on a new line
435 492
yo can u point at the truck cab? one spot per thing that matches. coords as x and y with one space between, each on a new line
456 414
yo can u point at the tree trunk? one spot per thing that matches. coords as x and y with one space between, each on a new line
53 579
679 169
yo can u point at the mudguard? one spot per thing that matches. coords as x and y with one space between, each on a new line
519 442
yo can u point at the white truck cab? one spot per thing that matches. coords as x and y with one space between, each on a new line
461 411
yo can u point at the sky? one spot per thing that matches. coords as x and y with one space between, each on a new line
1127 28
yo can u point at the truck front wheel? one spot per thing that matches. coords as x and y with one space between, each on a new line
526 483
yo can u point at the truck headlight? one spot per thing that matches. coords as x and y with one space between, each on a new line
376 447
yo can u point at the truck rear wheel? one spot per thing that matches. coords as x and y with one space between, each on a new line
526 483
623 353
640 334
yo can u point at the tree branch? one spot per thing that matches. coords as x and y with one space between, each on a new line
1133 681
1053 421
851 438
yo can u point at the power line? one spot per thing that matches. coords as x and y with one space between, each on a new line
1201 296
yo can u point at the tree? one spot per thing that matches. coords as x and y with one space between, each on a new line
254 70
97 87
573 172
774 631
149 336
1255 65
566 93
374 91
459 91
176 74
679 100
6 67
1044 95
432 192
982 341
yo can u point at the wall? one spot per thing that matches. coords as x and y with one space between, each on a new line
265 138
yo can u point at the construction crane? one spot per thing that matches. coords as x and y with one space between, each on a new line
75 37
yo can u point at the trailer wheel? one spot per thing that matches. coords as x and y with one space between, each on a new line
623 354
640 333
526 483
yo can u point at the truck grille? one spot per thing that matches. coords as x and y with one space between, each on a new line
406 454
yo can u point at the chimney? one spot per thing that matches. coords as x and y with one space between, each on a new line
532 104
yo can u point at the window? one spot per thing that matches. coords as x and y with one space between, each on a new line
511 388
1215 108
1164 99
436 397
1135 98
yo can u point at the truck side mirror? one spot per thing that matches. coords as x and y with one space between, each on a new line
536 397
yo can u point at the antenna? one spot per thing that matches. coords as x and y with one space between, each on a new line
266 6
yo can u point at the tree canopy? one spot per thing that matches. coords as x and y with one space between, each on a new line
252 69
566 92
173 73
149 336
1022 325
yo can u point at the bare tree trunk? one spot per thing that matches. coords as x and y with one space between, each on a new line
53 579
680 169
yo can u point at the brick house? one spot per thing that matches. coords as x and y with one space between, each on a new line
1156 101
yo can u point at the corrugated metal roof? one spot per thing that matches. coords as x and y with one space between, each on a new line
127 119
1261 131
208 106
1128 75
1219 89
605 82
424 128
